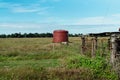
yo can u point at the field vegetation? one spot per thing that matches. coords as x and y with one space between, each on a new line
39 59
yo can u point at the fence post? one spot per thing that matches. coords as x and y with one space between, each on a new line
115 54
83 45
114 49
109 44
92 53
96 44
93 47
102 48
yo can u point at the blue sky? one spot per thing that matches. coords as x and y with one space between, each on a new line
76 16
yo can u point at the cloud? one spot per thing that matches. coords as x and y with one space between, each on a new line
56 0
99 20
21 25
43 28
95 20
91 20
12 25
23 10
20 8
44 1
116 15
27 27
33 26
29 9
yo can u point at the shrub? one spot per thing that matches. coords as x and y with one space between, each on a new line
98 65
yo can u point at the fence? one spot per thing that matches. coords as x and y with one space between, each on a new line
92 45
104 46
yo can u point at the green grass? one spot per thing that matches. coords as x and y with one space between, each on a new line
36 59
33 63
99 66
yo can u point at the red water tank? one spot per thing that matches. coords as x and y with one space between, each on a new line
60 36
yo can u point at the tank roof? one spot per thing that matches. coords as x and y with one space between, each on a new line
60 31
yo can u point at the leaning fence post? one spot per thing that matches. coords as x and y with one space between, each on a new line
83 45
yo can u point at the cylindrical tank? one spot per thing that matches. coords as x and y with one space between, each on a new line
60 36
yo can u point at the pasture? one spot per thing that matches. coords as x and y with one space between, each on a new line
37 59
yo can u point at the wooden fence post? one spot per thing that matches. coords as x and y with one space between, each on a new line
94 46
115 54
109 44
114 49
102 48
83 45
92 53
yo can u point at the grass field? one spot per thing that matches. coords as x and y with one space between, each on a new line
37 59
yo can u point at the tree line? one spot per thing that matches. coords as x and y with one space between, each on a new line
32 35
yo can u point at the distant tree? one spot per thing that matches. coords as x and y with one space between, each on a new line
32 35
71 35
3 36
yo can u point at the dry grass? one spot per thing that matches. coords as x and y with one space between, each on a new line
36 59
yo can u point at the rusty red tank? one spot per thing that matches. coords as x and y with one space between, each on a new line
60 36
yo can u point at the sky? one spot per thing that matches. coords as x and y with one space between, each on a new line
76 16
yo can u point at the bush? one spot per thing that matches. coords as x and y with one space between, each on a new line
98 65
